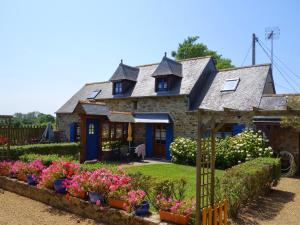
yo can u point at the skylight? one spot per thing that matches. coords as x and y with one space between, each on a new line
231 84
94 94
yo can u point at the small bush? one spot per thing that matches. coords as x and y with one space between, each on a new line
44 149
243 147
230 151
46 159
183 151
175 189
247 181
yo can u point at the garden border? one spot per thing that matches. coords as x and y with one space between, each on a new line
77 206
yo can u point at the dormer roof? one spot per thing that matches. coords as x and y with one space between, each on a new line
168 67
125 72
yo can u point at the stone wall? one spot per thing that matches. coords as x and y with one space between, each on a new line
63 122
185 123
282 139
77 206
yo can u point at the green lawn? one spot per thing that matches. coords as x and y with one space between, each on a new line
171 171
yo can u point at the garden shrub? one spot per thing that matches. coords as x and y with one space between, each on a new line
44 149
230 151
183 151
46 159
243 147
173 189
245 182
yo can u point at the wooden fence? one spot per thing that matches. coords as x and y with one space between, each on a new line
22 135
216 215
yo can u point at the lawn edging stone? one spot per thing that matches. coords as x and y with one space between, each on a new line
77 206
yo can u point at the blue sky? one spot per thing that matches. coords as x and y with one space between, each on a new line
49 49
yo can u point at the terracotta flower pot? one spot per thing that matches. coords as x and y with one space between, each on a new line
175 218
22 177
4 172
81 195
120 204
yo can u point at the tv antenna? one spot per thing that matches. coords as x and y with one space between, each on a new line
271 34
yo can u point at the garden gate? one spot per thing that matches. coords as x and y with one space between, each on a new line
5 121
208 211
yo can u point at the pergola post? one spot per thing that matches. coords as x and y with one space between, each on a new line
198 172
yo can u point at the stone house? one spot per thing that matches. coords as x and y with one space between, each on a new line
160 102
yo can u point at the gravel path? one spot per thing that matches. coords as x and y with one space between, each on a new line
18 210
280 206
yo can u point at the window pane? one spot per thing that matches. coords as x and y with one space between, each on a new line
230 85
91 129
112 131
119 131
105 130
157 134
125 130
163 134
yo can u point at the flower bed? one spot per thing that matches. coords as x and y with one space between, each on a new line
103 186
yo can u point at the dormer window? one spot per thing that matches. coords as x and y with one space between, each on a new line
167 74
118 89
162 84
124 79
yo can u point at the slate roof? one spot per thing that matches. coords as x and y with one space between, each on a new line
125 72
273 102
168 67
145 86
248 93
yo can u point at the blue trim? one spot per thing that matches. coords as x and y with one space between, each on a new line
169 140
72 127
92 140
238 128
149 140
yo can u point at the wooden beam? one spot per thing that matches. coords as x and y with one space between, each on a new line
226 109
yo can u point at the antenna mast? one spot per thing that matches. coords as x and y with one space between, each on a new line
271 34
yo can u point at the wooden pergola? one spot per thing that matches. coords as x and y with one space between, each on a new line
209 122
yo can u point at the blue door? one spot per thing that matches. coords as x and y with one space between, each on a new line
72 132
92 139
149 140
169 140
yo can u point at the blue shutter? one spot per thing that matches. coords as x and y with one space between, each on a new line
149 140
169 140
72 132
238 128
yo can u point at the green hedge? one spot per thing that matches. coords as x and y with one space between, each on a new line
44 149
46 159
245 182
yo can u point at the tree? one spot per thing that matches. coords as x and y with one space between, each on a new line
32 118
293 102
190 49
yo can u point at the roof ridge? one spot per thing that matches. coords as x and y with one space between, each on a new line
244 67
181 60
99 82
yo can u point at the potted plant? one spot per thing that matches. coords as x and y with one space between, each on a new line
137 201
6 168
34 170
56 175
119 186
78 185
98 185
19 170
118 198
176 211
